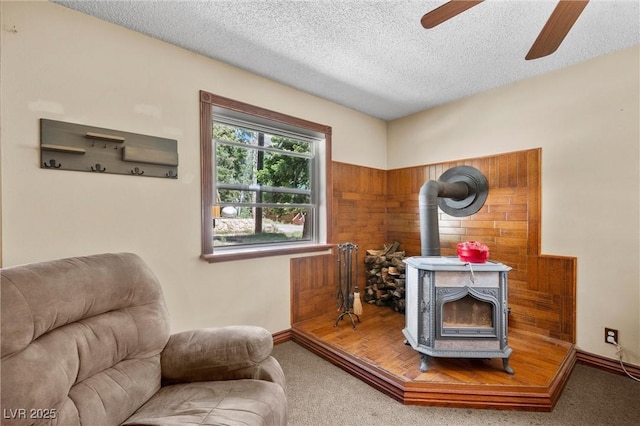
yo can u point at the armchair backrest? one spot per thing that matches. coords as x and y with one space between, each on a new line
81 339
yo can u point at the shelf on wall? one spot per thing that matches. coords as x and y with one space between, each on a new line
70 146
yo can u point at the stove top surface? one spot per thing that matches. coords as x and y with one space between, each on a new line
452 263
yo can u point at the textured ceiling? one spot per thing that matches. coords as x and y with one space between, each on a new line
374 56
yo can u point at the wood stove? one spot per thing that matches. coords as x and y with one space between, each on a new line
456 309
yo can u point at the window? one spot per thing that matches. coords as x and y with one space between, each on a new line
264 181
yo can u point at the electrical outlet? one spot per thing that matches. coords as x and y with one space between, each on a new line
611 336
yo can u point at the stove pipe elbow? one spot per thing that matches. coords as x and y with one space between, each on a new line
428 209
463 190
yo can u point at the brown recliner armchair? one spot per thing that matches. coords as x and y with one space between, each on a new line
85 341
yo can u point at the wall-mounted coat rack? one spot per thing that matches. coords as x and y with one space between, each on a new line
69 146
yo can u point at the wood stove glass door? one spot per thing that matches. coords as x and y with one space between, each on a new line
468 316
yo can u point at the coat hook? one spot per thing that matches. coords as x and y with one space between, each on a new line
52 164
171 174
98 168
137 171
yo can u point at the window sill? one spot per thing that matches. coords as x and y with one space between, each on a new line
242 254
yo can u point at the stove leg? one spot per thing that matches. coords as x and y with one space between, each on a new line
424 362
507 368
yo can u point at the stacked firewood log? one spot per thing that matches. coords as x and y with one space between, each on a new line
385 277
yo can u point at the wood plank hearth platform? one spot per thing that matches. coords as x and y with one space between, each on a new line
375 353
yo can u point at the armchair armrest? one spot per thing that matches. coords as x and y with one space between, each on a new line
221 353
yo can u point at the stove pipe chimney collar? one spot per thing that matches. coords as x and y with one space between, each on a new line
460 191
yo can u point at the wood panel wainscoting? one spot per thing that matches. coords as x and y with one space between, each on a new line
373 207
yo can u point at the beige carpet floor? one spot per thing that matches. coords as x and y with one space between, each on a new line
320 393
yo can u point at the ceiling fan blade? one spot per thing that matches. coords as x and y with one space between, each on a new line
446 11
555 30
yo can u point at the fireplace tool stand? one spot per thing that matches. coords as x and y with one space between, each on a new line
347 258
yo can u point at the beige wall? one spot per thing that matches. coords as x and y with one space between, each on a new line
586 119
63 65
66 66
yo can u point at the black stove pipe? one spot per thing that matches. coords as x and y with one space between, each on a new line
428 208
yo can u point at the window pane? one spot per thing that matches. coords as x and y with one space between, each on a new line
236 165
235 197
233 164
285 171
251 174
291 145
285 198
234 134
237 226
258 168
252 138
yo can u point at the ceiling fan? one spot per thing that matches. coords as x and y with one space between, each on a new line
554 31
